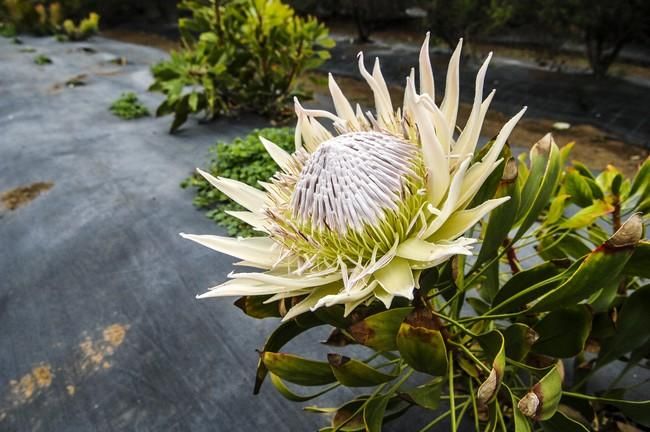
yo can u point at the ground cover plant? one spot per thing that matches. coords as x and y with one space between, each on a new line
486 289
238 55
243 159
129 107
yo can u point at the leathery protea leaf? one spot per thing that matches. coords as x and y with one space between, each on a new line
353 373
493 345
541 402
638 263
298 370
283 334
554 339
255 307
379 331
427 395
638 411
600 268
541 181
519 338
502 218
421 344
629 335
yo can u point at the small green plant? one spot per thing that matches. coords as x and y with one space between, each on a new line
42 60
8 30
129 107
243 159
239 55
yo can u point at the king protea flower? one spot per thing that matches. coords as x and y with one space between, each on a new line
356 215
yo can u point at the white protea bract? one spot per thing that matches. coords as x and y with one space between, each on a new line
356 215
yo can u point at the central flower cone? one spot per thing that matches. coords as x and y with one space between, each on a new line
356 216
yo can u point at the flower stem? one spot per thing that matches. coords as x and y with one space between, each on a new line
452 402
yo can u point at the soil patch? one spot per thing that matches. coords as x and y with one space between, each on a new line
14 198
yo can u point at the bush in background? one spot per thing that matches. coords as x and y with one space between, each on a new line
239 56
243 159
47 18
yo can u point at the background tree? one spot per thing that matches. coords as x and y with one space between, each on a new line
468 19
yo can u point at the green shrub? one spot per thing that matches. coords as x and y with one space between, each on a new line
239 55
129 107
86 28
46 18
243 159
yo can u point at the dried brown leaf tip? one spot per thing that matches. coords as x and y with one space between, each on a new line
628 234
488 388
543 146
529 404
510 171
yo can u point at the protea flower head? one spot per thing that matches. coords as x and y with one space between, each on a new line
356 215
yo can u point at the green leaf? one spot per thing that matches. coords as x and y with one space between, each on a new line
544 175
503 217
421 344
554 339
294 397
519 338
638 411
379 331
577 186
631 327
638 263
298 370
353 373
255 307
556 210
373 413
588 215
542 400
526 286
280 336
560 422
427 395
599 269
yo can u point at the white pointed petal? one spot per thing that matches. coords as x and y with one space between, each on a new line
426 73
353 297
466 143
281 157
435 159
480 171
445 252
242 287
255 220
453 194
449 105
289 281
289 294
420 250
259 250
397 278
463 220
383 89
445 136
383 104
341 104
311 300
384 296
247 196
